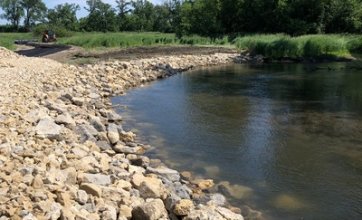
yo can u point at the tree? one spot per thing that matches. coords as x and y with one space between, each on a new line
64 15
13 11
201 17
344 16
124 7
34 11
102 17
93 5
163 19
142 17
174 15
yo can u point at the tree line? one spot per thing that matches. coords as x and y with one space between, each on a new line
185 17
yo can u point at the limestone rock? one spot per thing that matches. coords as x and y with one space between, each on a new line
47 128
82 197
127 136
204 184
217 199
54 212
109 213
78 101
66 120
120 148
186 175
37 182
97 124
125 211
228 215
91 189
152 210
137 179
113 117
183 207
86 133
35 115
165 172
104 145
98 179
113 134
152 188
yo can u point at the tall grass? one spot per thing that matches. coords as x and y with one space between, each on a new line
355 44
132 39
307 46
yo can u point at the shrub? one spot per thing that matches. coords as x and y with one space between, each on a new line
279 45
58 30
355 44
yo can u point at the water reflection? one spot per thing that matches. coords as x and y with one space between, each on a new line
287 138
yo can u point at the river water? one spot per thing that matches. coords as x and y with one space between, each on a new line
287 137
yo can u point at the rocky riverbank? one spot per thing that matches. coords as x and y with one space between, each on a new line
64 153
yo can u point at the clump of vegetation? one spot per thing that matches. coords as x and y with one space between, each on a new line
355 44
308 46
58 30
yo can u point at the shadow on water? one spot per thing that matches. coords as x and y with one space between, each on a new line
290 133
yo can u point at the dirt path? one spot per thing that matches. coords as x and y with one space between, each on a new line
77 55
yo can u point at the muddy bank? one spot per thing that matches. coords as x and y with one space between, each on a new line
65 155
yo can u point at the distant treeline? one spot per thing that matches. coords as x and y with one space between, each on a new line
184 17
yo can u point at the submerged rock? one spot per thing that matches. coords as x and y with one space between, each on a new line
183 207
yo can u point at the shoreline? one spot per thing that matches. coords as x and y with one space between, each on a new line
64 153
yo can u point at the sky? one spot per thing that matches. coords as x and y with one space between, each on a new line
81 3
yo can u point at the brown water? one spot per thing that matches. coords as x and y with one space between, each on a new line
287 137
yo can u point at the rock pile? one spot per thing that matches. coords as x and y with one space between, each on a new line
64 153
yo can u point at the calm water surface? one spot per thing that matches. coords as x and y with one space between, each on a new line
287 138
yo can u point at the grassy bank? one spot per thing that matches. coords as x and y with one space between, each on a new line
308 46
274 46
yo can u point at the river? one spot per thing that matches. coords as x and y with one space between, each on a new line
287 137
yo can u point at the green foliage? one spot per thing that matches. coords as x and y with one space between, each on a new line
355 44
64 15
201 17
13 11
317 46
211 18
59 31
34 11
102 17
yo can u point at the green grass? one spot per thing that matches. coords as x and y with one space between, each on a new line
134 39
308 46
7 39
